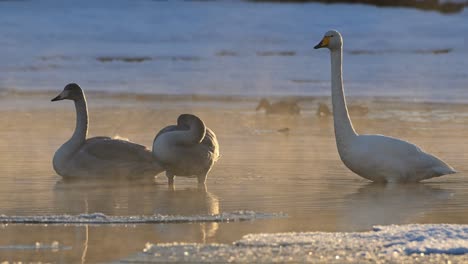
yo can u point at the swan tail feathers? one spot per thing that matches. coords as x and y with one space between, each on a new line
445 170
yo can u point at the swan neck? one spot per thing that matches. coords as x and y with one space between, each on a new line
81 129
194 135
343 126
197 131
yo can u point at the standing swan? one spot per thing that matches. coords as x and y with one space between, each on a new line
187 149
99 157
375 157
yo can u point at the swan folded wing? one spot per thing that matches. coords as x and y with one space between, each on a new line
392 159
105 148
165 130
104 156
210 140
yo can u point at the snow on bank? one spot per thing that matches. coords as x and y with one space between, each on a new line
99 218
408 243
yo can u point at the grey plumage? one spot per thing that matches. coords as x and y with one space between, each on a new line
182 157
99 157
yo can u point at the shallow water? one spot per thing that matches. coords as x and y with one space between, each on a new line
261 170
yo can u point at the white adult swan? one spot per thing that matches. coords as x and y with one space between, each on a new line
187 149
99 157
374 157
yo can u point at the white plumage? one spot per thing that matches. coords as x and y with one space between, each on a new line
375 157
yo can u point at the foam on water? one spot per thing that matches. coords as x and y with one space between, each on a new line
100 218
415 243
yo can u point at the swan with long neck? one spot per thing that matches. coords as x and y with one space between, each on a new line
375 157
188 149
99 157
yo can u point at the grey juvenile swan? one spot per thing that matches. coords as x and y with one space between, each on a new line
187 149
375 157
99 157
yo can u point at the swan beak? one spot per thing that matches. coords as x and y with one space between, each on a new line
323 43
57 98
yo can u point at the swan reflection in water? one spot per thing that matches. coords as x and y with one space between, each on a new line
187 202
142 198
386 204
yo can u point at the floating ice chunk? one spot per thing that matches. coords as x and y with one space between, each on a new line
100 218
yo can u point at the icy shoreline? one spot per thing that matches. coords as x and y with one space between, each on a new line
394 244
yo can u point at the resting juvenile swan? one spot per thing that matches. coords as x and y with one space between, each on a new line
374 157
187 149
99 157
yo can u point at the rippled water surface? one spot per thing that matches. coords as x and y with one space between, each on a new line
230 47
298 173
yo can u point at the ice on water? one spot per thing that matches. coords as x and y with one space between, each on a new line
100 218
416 243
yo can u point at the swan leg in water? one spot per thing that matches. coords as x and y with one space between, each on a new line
202 178
188 149
99 157
170 177
375 157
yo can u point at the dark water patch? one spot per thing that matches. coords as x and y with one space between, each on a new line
306 81
435 51
276 53
140 59
428 5
226 53
417 51
55 57
36 68
178 58
105 59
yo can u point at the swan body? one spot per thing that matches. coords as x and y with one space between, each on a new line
99 157
281 107
188 149
375 157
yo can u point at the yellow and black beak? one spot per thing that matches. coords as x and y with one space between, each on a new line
323 43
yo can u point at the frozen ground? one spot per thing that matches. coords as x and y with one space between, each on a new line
384 244
99 218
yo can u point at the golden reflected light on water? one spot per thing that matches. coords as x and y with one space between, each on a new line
268 164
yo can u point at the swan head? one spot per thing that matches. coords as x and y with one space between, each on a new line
331 40
72 91
263 104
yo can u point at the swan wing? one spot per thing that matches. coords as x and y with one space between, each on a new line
379 157
166 130
106 157
105 148
210 141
